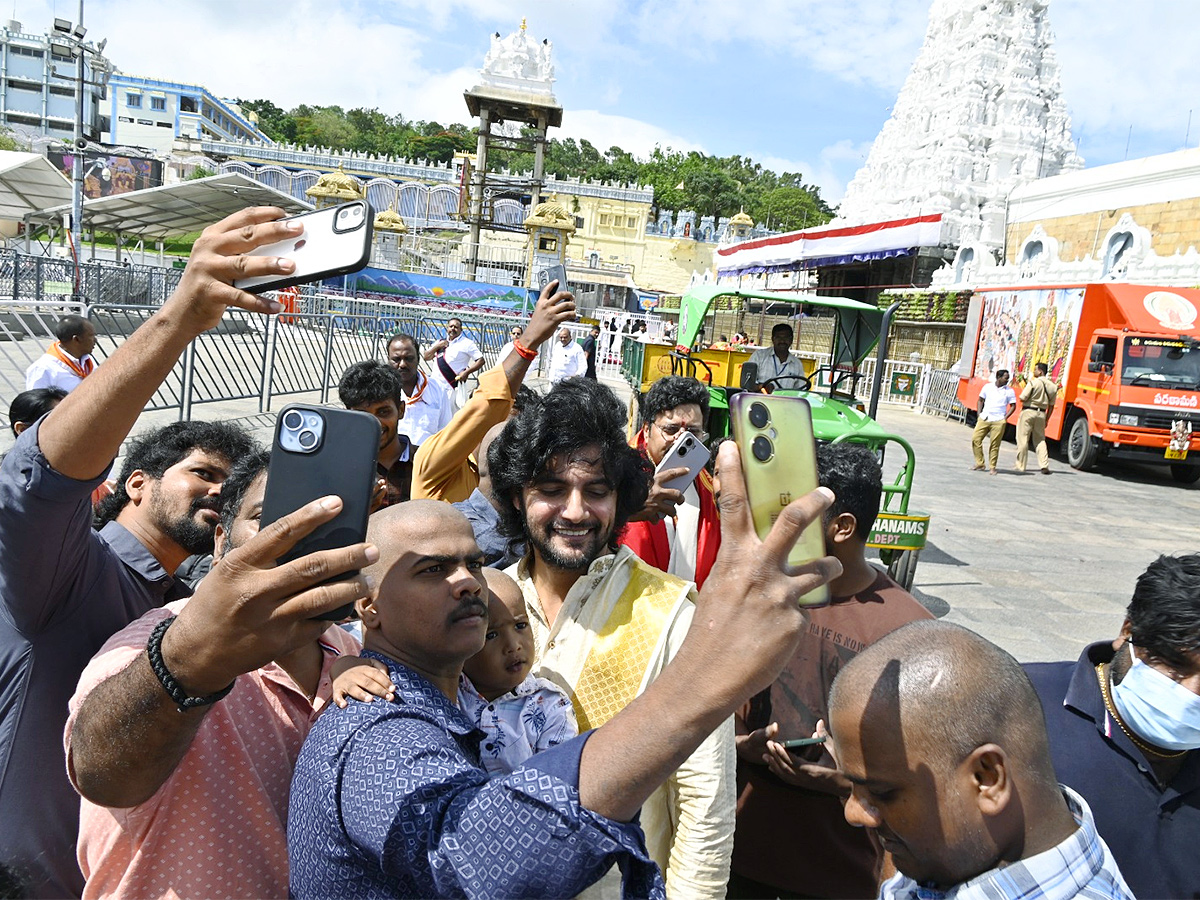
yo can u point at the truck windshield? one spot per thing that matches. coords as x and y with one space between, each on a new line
1161 362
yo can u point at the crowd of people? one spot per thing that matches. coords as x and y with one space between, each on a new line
565 678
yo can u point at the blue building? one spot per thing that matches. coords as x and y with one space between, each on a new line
146 112
33 99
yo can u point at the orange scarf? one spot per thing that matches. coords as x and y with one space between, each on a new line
81 370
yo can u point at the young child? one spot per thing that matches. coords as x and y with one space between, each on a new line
519 713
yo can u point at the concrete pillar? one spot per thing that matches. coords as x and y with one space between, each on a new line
539 162
478 176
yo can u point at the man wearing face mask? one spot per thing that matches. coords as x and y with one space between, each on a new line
1124 724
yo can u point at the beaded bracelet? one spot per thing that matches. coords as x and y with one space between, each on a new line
174 690
523 351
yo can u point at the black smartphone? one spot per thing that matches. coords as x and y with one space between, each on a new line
316 452
802 742
335 241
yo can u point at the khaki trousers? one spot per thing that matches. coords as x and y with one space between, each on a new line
994 432
1031 427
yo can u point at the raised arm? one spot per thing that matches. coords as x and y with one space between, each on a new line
443 453
83 434
745 628
128 735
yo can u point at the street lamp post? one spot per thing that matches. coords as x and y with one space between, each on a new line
70 36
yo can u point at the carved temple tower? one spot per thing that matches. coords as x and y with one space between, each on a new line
981 112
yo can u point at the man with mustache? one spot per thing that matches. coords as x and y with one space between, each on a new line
606 623
156 780
389 797
66 588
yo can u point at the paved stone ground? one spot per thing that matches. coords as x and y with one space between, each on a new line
1040 565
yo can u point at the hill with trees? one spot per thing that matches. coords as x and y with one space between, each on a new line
710 185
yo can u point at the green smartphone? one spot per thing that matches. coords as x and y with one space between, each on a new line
779 460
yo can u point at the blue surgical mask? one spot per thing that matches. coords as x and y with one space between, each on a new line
1157 708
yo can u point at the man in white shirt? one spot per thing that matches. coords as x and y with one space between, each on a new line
567 359
458 359
777 367
996 403
428 406
68 360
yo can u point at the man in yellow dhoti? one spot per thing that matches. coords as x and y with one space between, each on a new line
606 623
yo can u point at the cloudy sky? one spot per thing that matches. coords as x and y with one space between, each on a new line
798 85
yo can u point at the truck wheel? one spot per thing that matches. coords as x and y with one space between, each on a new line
1081 447
1185 474
903 567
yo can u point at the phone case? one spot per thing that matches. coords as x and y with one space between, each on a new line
556 272
342 463
787 473
687 452
322 249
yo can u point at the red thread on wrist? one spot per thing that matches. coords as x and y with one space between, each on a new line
523 351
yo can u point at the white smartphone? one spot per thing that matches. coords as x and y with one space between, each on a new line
335 241
688 453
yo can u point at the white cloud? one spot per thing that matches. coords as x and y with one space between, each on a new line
834 166
605 130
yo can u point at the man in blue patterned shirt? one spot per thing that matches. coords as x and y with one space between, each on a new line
389 799
942 738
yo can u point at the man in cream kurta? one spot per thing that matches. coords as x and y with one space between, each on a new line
623 601
605 625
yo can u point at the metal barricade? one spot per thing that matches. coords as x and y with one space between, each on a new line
26 330
938 394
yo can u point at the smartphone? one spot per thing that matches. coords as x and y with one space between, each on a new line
316 452
556 272
802 742
335 241
687 452
779 460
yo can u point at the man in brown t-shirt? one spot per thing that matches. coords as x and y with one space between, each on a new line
791 838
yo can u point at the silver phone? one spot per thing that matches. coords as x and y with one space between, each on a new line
335 241
687 452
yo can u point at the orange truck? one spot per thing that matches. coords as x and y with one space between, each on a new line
1126 359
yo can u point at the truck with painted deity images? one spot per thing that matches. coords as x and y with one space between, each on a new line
1125 357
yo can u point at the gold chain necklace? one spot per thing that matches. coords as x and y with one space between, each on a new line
1112 709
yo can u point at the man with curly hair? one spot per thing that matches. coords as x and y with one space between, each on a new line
606 623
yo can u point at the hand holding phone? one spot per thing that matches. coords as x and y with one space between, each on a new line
334 241
687 452
319 451
556 272
779 461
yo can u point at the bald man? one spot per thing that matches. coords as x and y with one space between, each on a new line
389 799
942 738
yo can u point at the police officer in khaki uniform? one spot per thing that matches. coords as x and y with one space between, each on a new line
1037 401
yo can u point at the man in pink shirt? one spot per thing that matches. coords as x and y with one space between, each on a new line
192 802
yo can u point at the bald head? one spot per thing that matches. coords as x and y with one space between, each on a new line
947 689
942 739
400 527
429 610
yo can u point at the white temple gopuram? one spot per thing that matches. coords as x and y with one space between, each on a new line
980 113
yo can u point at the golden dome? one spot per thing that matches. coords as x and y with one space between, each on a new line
550 215
390 220
742 219
336 186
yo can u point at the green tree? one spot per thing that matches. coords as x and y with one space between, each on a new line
789 208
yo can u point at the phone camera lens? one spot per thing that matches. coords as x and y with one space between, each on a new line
759 415
761 448
292 420
308 439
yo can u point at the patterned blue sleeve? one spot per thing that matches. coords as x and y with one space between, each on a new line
412 799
